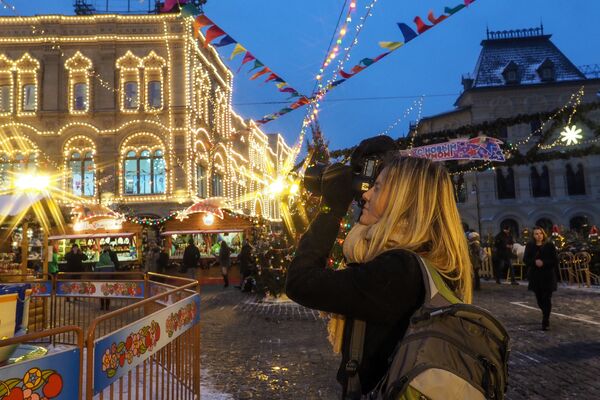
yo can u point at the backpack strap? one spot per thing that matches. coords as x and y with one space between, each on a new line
357 341
437 293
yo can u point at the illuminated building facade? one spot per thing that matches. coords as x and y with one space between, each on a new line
129 110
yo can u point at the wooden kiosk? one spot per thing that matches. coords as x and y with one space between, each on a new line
206 226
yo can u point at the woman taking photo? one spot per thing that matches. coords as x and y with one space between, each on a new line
410 209
542 262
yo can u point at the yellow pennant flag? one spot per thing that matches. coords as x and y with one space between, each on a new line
391 45
239 49
281 84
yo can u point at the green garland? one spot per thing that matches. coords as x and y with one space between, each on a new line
491 129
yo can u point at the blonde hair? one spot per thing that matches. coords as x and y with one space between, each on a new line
421 216
544 234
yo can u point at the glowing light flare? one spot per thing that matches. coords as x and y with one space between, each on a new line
571 135
32 182
208 219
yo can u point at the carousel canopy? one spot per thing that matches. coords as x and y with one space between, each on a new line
14 204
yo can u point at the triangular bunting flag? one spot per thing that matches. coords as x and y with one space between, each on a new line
467 2
379 57
391 45
345 75
287 90
356 69
200 22
263 71
407 32
421 26
238 49
271 77
227 40
212 33
280 84
366 62
169 4
257 64
454 10
435 20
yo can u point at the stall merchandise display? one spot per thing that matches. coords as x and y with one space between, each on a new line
209 244
125 247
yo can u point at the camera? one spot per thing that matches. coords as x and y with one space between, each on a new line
364 175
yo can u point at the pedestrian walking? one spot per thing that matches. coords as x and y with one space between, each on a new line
503 244
105 265
225 262
542 261
245 259
475 256
191 256
410 209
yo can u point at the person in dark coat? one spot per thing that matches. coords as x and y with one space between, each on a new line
503 244
225 262
541 260
163 260
245 258
74 258
191 256
475 255
410 209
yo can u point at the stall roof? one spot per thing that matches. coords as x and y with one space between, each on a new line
14 204
187 232
90 235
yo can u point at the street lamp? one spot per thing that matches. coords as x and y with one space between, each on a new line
475 191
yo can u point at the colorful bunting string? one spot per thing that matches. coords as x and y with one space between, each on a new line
214 32
407 32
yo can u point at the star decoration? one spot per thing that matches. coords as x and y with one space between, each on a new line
571 135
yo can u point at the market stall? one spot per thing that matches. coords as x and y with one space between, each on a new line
95 226
207 225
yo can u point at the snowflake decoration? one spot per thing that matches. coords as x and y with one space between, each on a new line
571 135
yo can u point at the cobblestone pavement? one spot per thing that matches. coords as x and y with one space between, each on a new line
257 350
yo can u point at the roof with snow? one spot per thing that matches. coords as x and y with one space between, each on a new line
524 56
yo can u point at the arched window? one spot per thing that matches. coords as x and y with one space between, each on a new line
540 182
82 174
217 185
575 180
4 172
579 224
505 184
546 224
201 181
512 224
144 172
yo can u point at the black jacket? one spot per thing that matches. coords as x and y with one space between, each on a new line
191 255
541 278
384 292
501 243
75 261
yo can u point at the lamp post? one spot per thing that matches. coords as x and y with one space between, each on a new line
475 191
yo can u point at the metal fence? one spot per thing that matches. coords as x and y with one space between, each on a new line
142 336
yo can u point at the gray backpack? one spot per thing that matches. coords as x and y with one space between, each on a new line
450 351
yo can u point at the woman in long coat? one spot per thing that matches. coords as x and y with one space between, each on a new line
541 260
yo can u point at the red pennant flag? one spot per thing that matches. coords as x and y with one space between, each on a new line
421 26
247 58
263 71
303 100
212 33
435 20
200 22
345 75
379 57
271 77
357 68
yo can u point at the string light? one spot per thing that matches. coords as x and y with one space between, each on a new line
79 68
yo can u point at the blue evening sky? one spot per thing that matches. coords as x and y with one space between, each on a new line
291 37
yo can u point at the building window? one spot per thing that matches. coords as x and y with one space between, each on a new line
579 224
131 100
4 172
80 97
217 185
540 182
29 97
144 173
201 181
575 180
505 184
5 98
82 174
155 94
535 127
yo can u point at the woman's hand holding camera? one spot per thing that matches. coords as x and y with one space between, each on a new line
336 188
